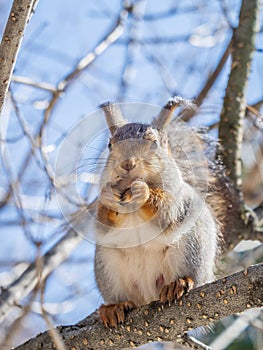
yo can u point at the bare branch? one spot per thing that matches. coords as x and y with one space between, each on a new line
158 322
20 14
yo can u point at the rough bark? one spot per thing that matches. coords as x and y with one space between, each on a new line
20 14
158 322
234 108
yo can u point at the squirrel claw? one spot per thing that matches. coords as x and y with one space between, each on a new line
176 289
114 314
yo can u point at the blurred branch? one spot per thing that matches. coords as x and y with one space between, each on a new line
20 14
231 333
188 114
62 249
8 194
30 82
20 288
59 345
158 322
165 40
113 35
6 344
171 12
224 8
233 112
133 46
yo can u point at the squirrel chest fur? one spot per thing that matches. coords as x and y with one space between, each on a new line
156 235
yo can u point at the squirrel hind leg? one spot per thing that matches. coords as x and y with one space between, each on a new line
114 314
176 289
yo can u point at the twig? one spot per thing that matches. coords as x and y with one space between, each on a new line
30 82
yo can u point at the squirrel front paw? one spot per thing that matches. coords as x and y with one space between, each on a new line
137 195
132 199
110 197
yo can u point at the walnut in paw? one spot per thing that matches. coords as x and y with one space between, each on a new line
114 314
176 289
137 195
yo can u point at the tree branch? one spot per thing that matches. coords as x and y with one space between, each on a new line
231 121
20 14
158 322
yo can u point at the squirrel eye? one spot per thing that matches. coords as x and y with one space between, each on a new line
109 145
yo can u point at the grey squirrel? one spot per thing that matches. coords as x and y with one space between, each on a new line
160 212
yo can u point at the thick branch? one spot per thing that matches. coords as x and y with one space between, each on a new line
20 14
231 123
155 322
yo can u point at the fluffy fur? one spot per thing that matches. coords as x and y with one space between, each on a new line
155 222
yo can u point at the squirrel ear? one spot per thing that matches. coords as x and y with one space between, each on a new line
113 116
165 115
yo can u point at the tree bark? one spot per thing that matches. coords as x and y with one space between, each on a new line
158 322
234 108
20 14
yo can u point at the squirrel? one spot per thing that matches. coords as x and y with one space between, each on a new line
159 215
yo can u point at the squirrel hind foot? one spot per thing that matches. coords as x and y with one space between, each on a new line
176 289
114 314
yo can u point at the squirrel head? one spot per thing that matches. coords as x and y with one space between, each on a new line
138 151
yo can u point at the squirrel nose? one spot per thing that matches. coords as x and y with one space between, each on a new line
128 164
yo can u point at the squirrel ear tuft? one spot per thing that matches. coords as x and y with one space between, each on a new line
165 115
113 116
